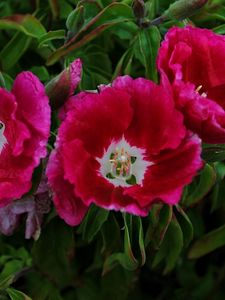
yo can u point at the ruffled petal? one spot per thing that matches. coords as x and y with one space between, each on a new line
68 205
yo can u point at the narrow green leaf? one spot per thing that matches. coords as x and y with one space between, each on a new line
28 24
56 246
141 240
159 220
208 243
6 281
111 15
123 66
17 295
171 247
126 258
8 81
218 192
212 153
146 49
185 225
2 81
93 222
54 5
219 29
12 51
75 19
51 35
196 192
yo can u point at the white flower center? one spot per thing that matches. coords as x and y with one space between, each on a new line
3 140
123 165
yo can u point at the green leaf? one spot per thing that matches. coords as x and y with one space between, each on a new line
146 49
124 64
126 258
2 81
42 287
208 243
51 35
54 5
6 281
159 220
171 247
197 191
28 24
113 14
111 228
8 81
53 251
12 51
212 153
185 225
41 72
138 229
17 295
93 222
217 195
219 29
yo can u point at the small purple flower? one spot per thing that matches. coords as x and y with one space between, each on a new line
34 206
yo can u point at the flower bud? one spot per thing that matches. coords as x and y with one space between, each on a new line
138 8
60 88
182 9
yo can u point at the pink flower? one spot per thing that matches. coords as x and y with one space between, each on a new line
123 149
193 60
25 123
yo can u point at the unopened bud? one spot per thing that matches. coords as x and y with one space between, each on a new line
139 9
182 9
60 88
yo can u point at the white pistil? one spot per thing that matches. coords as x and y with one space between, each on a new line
3 140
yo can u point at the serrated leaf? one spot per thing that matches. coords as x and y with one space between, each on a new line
208 243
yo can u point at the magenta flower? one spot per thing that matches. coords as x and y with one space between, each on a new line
123 149
25 123
193 60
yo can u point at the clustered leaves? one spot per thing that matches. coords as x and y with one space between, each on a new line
176 252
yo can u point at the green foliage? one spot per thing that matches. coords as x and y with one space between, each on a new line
174 252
